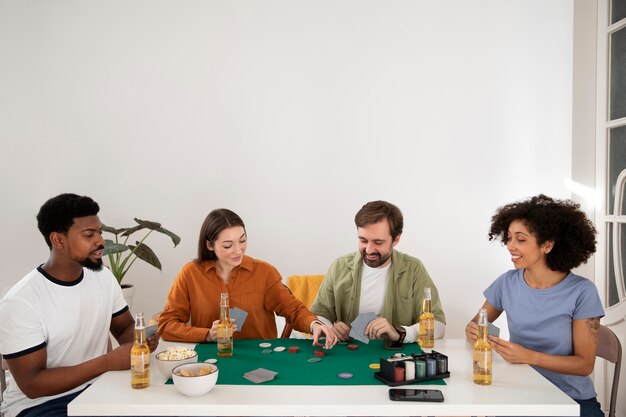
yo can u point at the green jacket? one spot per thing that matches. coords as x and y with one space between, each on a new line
340 293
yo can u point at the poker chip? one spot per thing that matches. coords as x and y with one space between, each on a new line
319 353
279 348
211 360
345 375
352 346
314 360
265 345
293 349
374 366
267 351
398 374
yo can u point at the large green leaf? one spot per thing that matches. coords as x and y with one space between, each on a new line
148 224
119 263
130 230
173 236
111 247
144 253
112 230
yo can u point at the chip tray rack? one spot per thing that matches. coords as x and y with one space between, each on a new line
388 365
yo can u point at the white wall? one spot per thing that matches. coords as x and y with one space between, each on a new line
291 113
584 114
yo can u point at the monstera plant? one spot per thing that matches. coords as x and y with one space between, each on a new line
122 254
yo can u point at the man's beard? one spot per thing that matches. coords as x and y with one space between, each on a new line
376 262
92 265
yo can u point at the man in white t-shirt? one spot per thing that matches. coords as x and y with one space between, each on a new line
378 279
56 320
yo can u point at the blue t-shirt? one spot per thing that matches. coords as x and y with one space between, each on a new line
541 320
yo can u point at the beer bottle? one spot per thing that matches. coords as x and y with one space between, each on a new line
427 322
224 329
482 351
140 355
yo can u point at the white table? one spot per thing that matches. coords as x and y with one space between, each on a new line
516 390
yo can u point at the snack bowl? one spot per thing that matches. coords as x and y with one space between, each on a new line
166 365
194 379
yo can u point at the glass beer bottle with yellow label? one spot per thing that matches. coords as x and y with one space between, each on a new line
427 322
482 351
224 329
140 355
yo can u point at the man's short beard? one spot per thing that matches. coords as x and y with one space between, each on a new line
380 261
92 265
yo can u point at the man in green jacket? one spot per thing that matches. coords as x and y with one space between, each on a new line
378 279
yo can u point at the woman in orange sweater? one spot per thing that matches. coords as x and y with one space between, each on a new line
193 303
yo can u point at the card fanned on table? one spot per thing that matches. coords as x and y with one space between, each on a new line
260 375
359 324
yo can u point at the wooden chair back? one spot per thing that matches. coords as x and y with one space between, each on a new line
610 349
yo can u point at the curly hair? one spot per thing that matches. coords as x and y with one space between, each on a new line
58 213
560 221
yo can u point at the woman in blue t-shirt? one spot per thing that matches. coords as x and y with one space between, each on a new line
553 315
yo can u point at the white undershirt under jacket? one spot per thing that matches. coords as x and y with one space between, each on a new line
373 287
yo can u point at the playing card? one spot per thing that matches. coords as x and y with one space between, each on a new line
367 317
358 335
357 330
253 378
240 317
260 375
494 330
265 373
150 330
359 324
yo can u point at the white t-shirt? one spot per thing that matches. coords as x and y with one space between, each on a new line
373 287
71 320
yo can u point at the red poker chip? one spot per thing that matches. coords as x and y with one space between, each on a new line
293 349
352 346
398 373
319 353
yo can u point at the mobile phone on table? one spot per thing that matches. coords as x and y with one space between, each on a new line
407 394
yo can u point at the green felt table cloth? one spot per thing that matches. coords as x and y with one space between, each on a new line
294 368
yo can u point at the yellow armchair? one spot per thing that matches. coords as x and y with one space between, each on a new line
304 288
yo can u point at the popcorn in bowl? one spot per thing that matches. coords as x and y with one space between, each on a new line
176 354
172 357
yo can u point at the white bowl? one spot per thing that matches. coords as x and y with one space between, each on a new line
166 366
193 386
